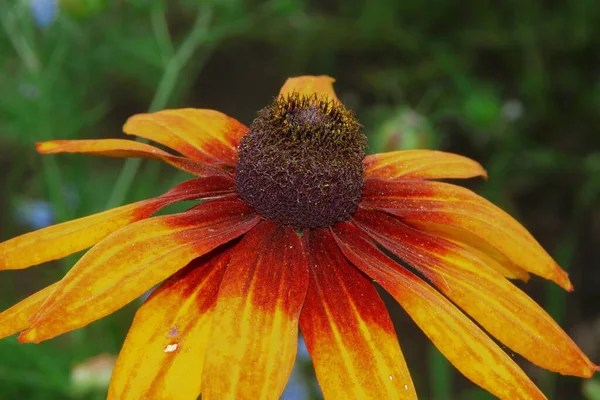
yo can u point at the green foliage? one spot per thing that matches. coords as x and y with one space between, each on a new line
591 389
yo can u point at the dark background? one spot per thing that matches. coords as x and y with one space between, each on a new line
512 84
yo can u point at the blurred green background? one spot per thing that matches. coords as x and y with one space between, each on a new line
512 84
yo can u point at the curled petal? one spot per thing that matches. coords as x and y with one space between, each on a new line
255 330
16 318
130 261
460 215
205 135
348 331
466 346
310 85
60 240
128 148
421 164
163 355
502 309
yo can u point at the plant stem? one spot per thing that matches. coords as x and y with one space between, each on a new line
161 98
199 35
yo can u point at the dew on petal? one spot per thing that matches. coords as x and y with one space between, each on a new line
171 348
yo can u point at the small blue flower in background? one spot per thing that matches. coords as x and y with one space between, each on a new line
29 91
145 296
36 214
297 388
303 354
43 12
300 386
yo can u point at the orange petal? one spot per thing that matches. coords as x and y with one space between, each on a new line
127 148
254 335
502 309
163 355
460 215
321 85
470 350
204 135
348 331
130 261
506 269
60 240
421 164
16 318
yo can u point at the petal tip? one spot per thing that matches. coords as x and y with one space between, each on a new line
46 147
28 336
479 170
590 371
484 174
130 125
303 79
563 281
321 85
569 287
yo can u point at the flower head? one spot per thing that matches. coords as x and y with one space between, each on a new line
301 162
288 236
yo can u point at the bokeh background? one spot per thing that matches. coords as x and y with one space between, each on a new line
512 84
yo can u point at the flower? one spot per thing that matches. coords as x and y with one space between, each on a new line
289 235
44 12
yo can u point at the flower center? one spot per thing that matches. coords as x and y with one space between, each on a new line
301 162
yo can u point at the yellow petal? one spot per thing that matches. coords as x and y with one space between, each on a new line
502 309
460 215
130 261
507 269
321 85
466 346
60 240
128 148
16 318
421 164
254 335
204 135
163 355
348 331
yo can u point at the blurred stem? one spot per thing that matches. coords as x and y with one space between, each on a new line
53 181
440 375
161 31
161 98
200 34
29 58
20 44
180 59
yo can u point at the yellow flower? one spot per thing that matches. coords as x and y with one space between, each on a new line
287 237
